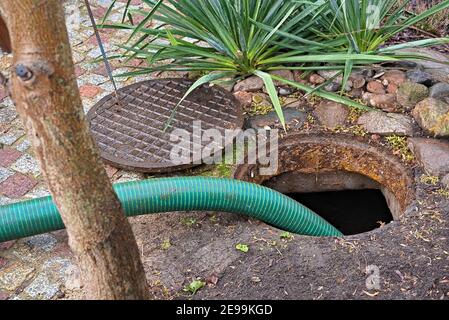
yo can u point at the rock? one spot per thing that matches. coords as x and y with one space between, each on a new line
349 85
375 87
331 114
400 64
356 93
293 103
396 77
358 81
379 75
367 96
288 100
445 181
298 75
385 102
385 124
316 79
303 82
293 118
432 154
367 73
433 116
328 74
245 98
440 90
285 91
332 87
227 85
392 88
286 74
421 77
250 84
262 100
331 74
410 93
439 70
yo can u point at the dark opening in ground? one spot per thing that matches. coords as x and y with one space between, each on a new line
351 211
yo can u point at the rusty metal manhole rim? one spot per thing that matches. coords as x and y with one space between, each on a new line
329 143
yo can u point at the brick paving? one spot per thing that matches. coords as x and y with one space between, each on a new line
17 185
8 157
42 267
25 264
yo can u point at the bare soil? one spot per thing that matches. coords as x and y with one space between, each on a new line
411 256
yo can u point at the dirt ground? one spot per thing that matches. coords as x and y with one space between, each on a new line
409 257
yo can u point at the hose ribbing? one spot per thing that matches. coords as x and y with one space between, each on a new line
172 195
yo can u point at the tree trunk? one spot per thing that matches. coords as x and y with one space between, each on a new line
46 95
5 43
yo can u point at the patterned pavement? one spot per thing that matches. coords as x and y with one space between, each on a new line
42 267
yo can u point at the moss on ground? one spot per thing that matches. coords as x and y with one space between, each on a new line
400 147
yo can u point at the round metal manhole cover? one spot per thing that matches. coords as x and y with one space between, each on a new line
131 134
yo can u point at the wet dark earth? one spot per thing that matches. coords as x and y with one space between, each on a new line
405 259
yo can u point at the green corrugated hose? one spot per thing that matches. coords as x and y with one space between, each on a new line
39 216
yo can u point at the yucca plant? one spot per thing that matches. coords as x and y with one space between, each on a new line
369 24
227 40
365 26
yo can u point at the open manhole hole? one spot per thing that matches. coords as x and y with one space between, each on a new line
350 211
356 186
133 134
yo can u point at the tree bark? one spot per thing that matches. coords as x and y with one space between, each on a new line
46 95
5 42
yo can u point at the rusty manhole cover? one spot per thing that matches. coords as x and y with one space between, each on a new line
131 135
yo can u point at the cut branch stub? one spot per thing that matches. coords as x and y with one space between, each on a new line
23 72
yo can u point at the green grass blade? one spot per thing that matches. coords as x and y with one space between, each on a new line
108 12
326 95
415 44
144 22
272 92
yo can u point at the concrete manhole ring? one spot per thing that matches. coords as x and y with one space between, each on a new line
331 162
